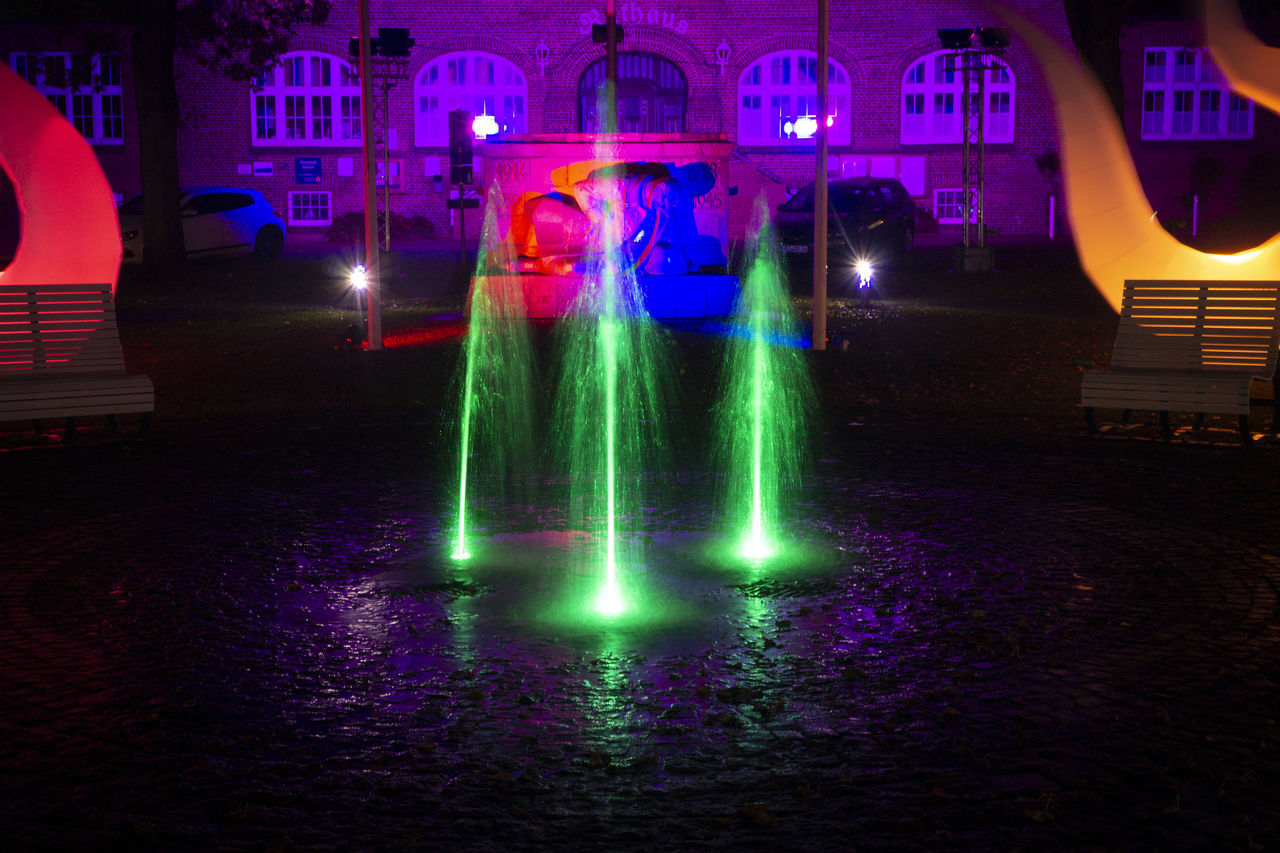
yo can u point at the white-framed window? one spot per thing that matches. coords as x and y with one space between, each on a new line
1184 96
778 100
948 206
480 83
84 87
932 91
310 207
309 98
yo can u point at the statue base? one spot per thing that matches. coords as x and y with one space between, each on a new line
665 296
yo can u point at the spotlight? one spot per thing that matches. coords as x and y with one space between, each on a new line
956 38
996 37
359 278
863 269
483 126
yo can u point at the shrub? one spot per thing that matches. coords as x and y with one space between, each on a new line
348 229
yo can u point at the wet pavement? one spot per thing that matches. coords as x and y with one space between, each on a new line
241 637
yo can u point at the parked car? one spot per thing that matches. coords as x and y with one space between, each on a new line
870 219
215 221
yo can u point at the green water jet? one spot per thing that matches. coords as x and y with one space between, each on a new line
496 420
610 403
767 388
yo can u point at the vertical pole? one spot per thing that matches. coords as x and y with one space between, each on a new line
611 67
1052 214
982 150
966 115
1195 213
370 190
820 188
462 225
386 166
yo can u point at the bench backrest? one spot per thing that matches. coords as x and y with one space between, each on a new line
1199 325
62 328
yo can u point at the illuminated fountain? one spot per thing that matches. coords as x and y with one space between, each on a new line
495 428
768 398
596 252
609 402
608 425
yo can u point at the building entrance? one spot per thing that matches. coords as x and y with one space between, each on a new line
652 95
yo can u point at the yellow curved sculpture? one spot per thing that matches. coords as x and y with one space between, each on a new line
1115 229
1252 67
70 233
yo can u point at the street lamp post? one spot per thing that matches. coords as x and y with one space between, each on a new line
820 187
373 282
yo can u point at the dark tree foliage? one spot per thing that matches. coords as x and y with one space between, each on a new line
1095 29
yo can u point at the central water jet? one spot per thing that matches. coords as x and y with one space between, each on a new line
611 400
766 387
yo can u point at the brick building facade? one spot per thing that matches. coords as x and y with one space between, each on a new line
744 69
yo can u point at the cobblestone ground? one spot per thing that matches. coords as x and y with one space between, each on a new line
254 640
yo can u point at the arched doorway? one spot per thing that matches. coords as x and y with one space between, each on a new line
653 95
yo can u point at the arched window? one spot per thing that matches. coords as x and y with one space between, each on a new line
931 92
308 99
480 83
778 100
652 95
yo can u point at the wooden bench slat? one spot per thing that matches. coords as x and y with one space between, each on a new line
60 355
1189 346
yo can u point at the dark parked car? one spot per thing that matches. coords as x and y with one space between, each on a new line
871 219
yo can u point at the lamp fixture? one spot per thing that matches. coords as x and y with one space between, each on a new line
722 55
542 53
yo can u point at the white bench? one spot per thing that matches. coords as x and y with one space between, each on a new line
1189 346
60 356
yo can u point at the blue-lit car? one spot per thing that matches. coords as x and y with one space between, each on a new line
215 221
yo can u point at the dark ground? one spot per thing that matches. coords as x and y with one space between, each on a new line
995 633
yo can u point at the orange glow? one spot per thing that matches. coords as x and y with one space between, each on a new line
1252 67
1115 229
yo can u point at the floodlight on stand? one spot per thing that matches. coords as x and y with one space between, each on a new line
394 42
359 277
995 37
956 38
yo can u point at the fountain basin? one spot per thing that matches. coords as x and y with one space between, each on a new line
665 296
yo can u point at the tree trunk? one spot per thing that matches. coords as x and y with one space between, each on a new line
1095 29
154 43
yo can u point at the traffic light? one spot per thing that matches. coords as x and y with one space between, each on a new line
460 140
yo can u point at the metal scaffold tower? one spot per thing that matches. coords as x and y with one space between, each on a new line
387 72
388 58
972 69
974 49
